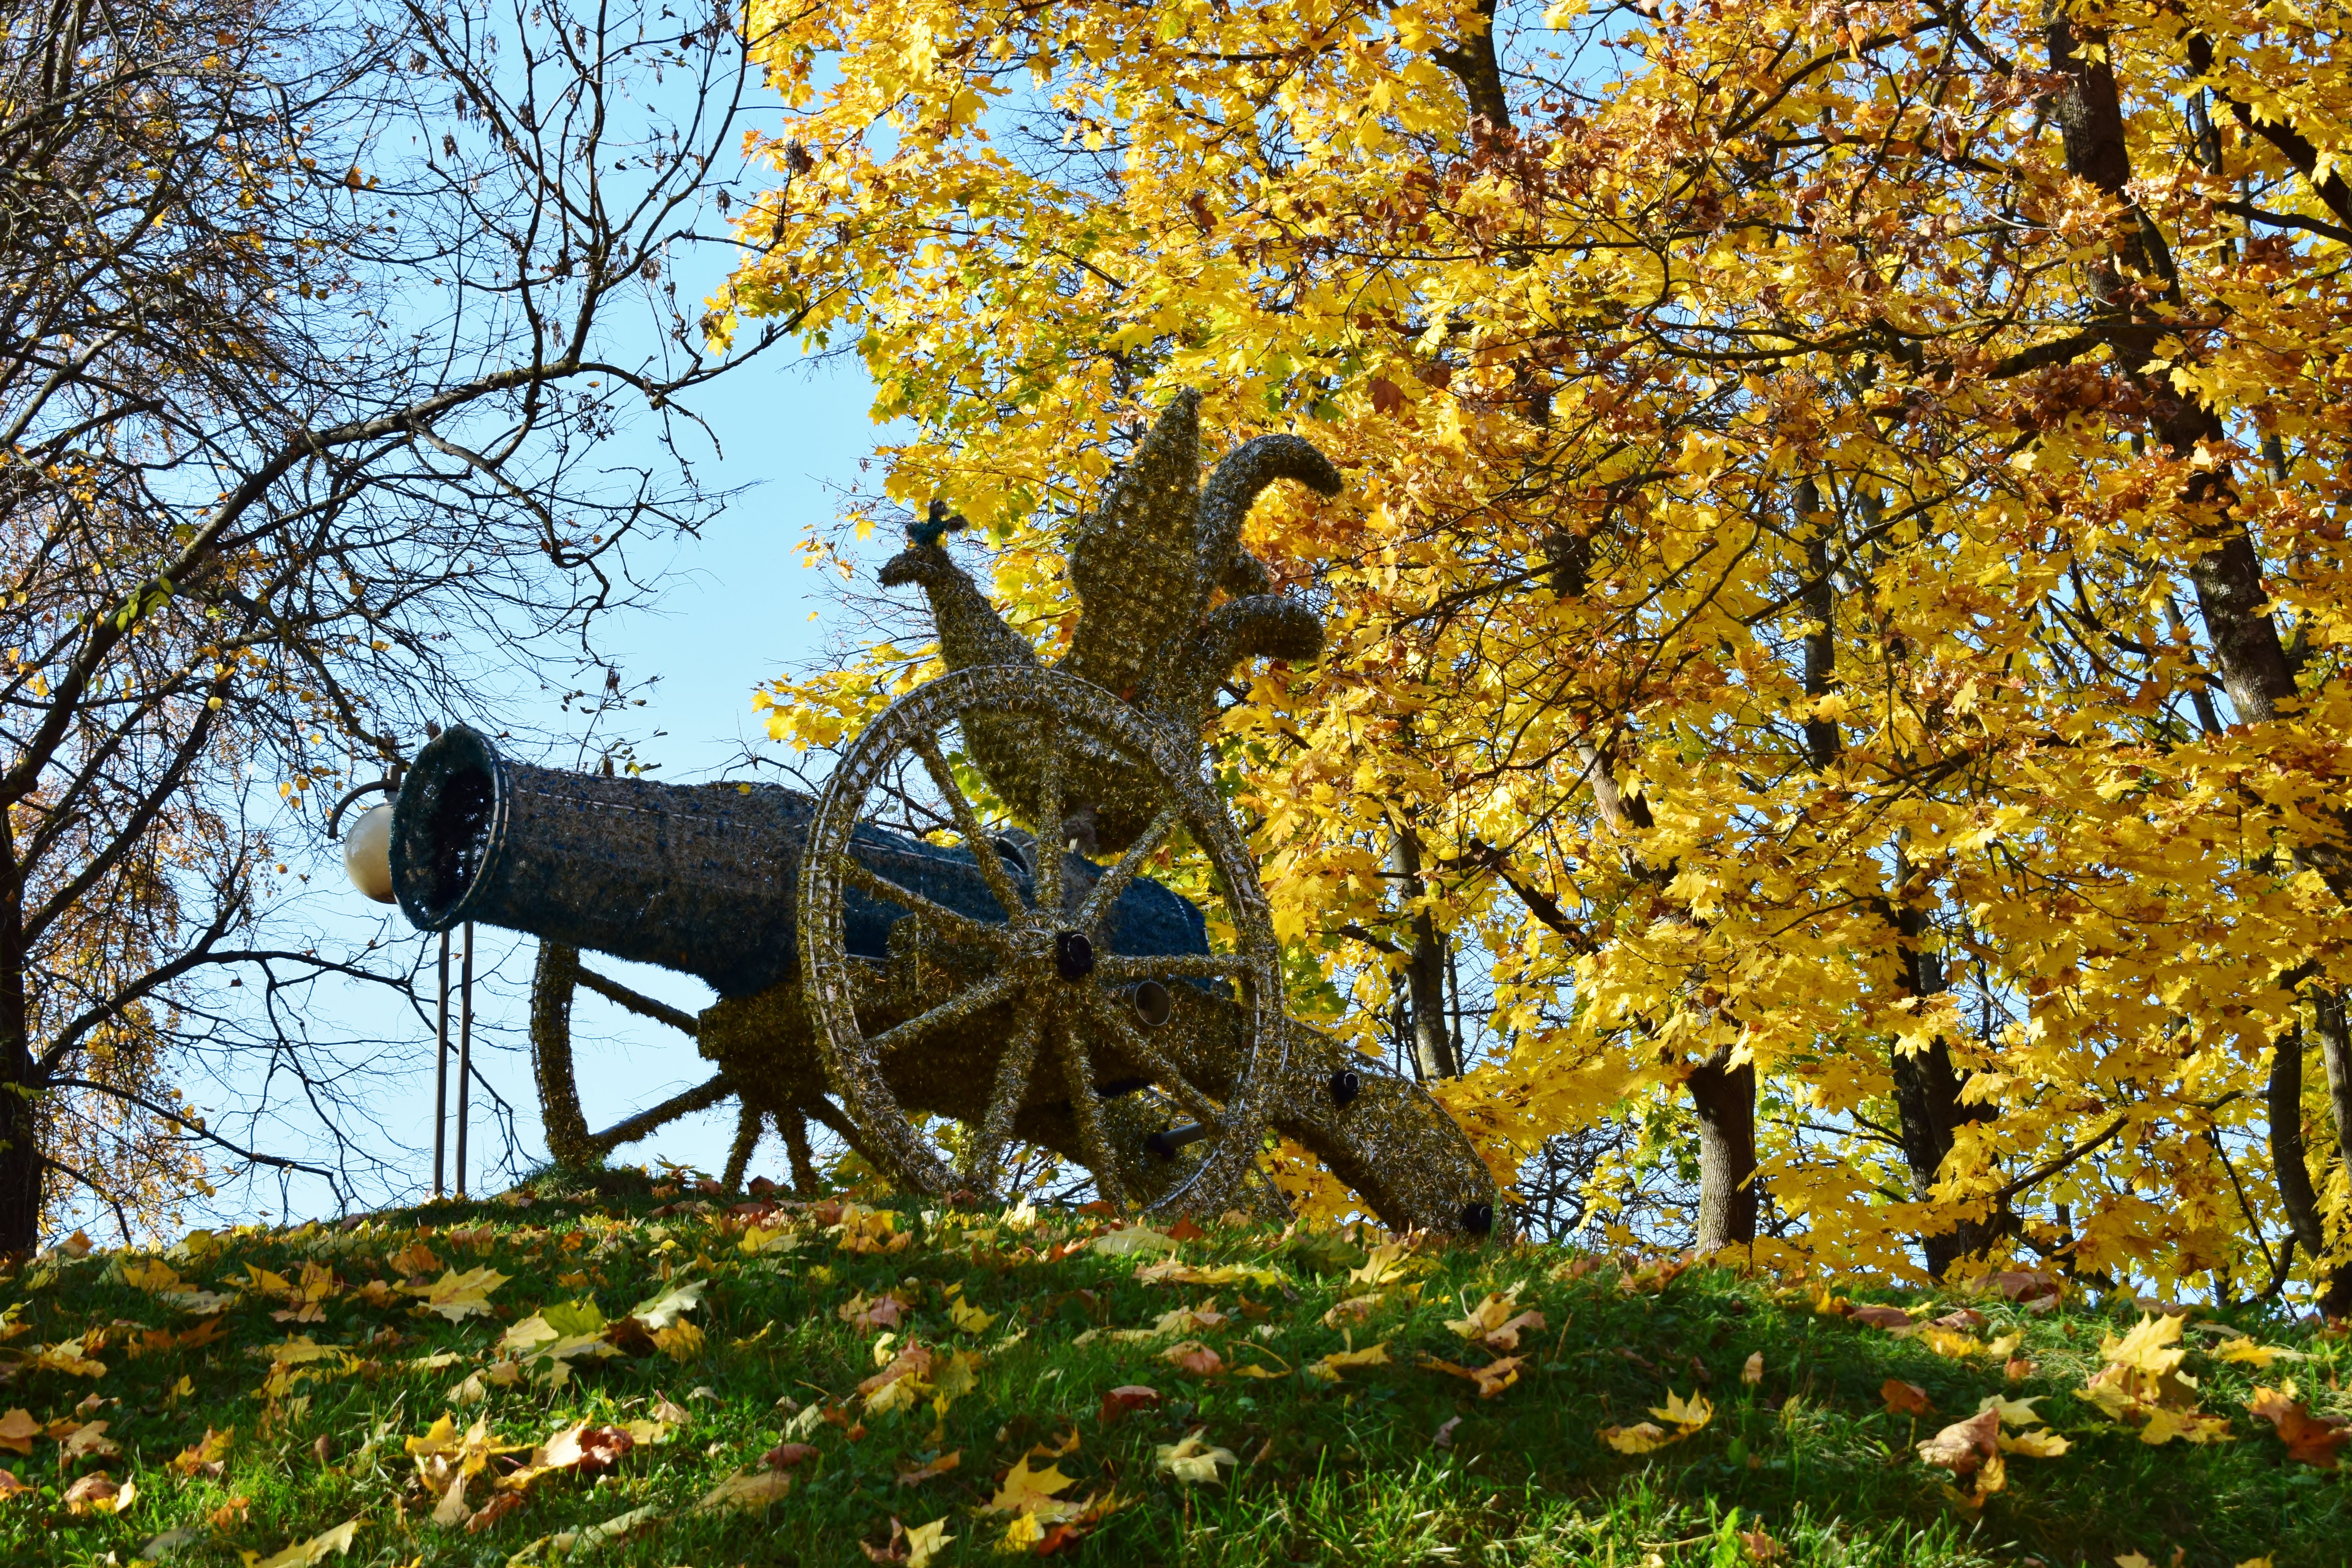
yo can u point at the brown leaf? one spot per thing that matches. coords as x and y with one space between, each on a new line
1192 1356
2019 1368
500 1505
1965 1447
10 1485
2311 1439
1760 1547
784 1456
1881 1316
1904 1398
938 1466
1962 1320
1185 1230
17 1430
1126 1397
1386 398
1444 1434
95 1493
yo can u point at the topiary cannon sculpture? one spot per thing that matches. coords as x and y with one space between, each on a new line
993 969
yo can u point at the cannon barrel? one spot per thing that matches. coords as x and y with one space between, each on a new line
696 878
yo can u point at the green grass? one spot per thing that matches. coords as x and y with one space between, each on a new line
1324 1473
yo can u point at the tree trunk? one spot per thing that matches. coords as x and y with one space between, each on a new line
2336 1054
2256 670
2283 1100
1424 972
1725 1099
20 1142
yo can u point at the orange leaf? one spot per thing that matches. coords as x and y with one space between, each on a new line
1904 1398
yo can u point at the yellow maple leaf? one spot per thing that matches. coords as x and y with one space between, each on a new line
2153 1346
1328 1368
746 1489
968 1319
1032 1492
459 1296
1642 1437
1386 1264
2246 1353
1193 1461
925 1541
1687 1414
303 1553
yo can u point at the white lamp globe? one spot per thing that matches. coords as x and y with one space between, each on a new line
367 854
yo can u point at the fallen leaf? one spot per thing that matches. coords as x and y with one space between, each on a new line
2012 1412
1192 1356
925 1541
1386 1264
1443 1436
2034 1445
1881 1316
17 1430
10 1485
99 1493
500 1505
1032 1492
746 1489
1132 1240
659 1313
88 1442
969 1319
1687 1415
1642 1437
457 1296
784 1456
1328 1368
1965 1445
1353 1312
1751 1371
2311 1439
2246 1353
881 1313
1760 1547
1491 1379
937 1468
1193 1461
1126 1397
301 1554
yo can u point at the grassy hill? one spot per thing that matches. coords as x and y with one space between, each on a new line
656 1380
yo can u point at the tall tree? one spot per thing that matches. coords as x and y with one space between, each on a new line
309 321
1969 834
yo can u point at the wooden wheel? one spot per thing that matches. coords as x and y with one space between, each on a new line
1020 1015
558 974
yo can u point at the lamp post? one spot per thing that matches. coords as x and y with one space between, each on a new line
367 861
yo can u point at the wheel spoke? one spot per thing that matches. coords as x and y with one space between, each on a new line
1106 893
1152 966
1005 1101
1153 1060
955 1009
968 823
1051 846
1079 1074
875 886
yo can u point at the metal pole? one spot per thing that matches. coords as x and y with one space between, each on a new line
441 1069
464 1049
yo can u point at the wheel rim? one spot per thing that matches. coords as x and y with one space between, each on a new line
1052 967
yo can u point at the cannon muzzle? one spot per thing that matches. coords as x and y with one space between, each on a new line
696 878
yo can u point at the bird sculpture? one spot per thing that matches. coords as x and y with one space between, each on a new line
1148 564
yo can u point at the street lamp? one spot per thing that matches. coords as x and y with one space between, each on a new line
367 861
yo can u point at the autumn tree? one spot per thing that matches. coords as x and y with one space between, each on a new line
311 323
1842 572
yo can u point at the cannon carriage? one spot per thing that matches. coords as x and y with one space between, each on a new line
969 944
